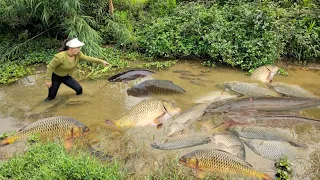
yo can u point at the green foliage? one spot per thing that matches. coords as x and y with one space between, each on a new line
6 134
52 161
208 63
242 35
159 64
37 17
12 71
284 169
282 72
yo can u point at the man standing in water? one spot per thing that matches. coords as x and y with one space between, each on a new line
63 64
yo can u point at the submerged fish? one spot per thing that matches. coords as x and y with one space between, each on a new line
283 121
230 143
182 141
291 90
264 74
148 112
154 86
130 75
273 150
186 118
249 89
264 133
64 126
263 104
212 160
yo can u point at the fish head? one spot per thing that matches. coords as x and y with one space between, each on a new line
79 131
272 71
229 84
189 160
137 92
171 107
173 128
235 129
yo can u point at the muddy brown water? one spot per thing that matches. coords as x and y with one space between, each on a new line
22 103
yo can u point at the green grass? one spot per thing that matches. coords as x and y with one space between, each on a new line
52 161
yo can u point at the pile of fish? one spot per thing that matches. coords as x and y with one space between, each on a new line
232 122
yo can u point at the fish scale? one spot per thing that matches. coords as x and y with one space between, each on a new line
264 133
58 125
273 150
146 112
291 90
249 89
219 161
233 144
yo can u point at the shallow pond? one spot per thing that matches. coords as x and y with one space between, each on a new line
22 103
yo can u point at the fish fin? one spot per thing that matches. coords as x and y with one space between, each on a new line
199 173
68 144
158 120
219 129
267 177
159 126
6 141
111 124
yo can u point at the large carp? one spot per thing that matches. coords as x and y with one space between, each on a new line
148 112
212 160
154 87
291 90
264 74
64 126
249 89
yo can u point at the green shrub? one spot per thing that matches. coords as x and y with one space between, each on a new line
52 161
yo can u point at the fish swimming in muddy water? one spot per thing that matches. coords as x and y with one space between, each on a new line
249 89
129 75
230 143
282 121
264 74
186 118
264 133
66 127
274 150
153 87
148 112
188 140
291 90
263 104
213 160
182 141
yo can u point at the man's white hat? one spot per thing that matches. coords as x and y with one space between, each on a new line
74 43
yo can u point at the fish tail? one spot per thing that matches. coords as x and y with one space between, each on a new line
8 140
113 125
266 177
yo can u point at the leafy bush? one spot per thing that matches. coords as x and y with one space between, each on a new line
242 35
52 161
